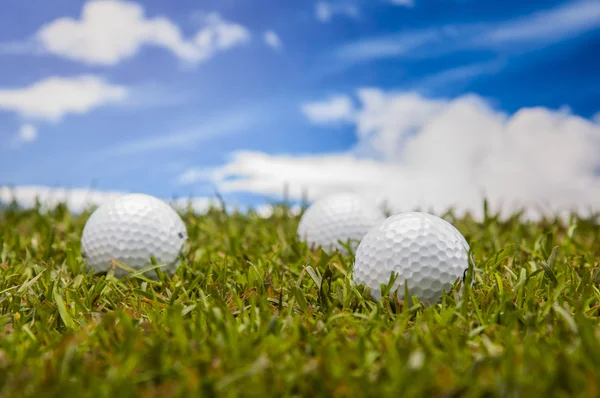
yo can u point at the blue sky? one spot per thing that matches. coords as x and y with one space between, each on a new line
185 98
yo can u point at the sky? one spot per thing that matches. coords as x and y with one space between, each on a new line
428 104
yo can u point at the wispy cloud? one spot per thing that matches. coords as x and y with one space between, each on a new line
231 123
156 95
404 3
325 11
394 45
27 134
334 109
272 39
194 174
461 73
568 20
531 31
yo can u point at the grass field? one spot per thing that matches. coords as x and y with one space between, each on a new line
252 312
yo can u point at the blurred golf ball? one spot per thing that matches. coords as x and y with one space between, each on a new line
344 217
130 229
427 252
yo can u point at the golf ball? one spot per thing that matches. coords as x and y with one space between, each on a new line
130 229
342 217
427 253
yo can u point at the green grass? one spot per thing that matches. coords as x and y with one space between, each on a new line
252 312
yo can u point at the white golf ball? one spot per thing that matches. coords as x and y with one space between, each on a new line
130 229
344 217
427 253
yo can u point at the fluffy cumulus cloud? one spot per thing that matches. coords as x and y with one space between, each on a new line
272 39
80 199
433 154
110 31
53 98
325 11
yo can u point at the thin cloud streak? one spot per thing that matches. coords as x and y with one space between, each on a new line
237 122
459 74
395 45
325 11
565 21
403 3
532 31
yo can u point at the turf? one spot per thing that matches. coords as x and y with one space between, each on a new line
253 312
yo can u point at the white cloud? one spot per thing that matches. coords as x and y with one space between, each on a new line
198 205
192 175
404 3
334 109
387 120
219 35
27 133
535 30
395 45
267 210
53 98
434 154
455 75
567 20
324 11
272 39
236 121
263 173
110 31
596 117
80 199
77 199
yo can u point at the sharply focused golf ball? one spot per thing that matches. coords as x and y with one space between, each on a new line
344 217
130 229
427 253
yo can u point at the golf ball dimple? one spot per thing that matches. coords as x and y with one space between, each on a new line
336 218
428 254
130 229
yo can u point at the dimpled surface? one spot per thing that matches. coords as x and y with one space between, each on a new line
338 217
130 229
427 252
